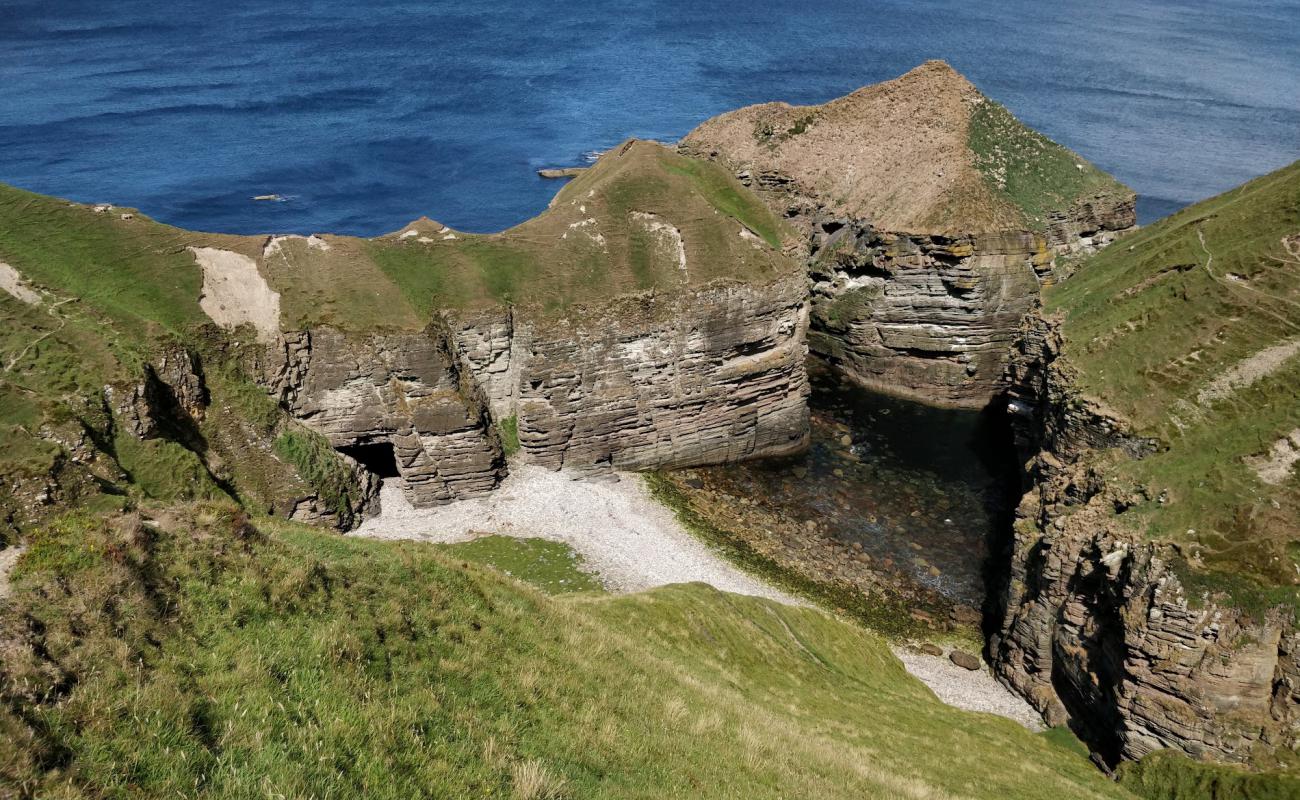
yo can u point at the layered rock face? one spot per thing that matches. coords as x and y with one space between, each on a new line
929 227
397 402
710 377
932 317
648 382
1098 626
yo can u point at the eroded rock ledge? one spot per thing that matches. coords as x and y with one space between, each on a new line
1097 625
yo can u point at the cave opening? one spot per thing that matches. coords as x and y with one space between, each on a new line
378 457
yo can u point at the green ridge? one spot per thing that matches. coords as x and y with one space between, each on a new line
1035 174
1151 324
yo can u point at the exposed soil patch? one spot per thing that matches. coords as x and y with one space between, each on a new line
13 283
1248 370
235 293
8 558
1274 468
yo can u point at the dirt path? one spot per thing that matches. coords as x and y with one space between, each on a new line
8 557
634 543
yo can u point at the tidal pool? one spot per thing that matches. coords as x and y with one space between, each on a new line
925 491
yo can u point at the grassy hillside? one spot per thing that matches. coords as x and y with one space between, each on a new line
608 232
1190 331
1029 171
642 219
195 655
111 292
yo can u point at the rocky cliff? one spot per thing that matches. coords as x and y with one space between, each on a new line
399 404
712 377
1098 627
648 319
1152 590
931 218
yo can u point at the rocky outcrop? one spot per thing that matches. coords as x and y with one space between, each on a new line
932 317
1090 225
1098 626
923 260
397 403
170 393
651 381
648 381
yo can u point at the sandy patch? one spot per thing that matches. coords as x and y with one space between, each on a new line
591 228
235 293
12 282
972 690
1248 370
1274 468
8 558
631 541
634 543
276 243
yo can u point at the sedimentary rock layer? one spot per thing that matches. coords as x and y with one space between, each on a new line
714 376
928 316
396 396
646 382
1097 623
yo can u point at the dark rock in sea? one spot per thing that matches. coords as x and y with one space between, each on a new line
561 172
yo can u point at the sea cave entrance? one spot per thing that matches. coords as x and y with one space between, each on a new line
378 457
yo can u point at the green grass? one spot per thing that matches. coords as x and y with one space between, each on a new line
136 271
164 470
425 280
1165 775
587 248
509 429
196 656
550 566
1036 174
1061 736
311 454
726 195
1152 321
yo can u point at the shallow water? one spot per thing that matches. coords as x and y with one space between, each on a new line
365 116
924 490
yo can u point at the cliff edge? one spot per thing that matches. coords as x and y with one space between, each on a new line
930 215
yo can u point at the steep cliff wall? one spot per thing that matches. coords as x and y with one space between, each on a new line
648 319
397 402
931 217
710 377
1098 625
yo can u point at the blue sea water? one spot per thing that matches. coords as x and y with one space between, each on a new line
368 114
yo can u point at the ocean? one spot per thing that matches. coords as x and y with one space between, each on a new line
363 116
